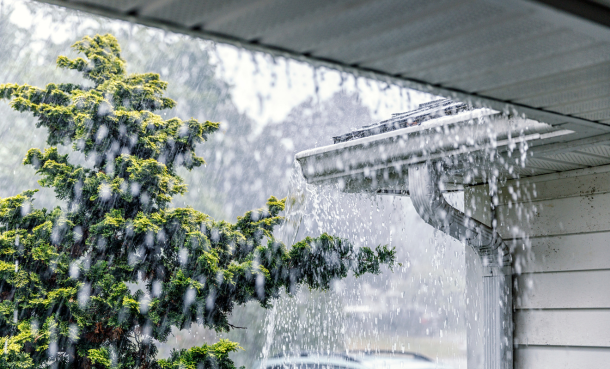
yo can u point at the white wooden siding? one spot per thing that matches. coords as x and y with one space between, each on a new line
552 357
574 327
539 290
558 253
559 227
569 215
579 185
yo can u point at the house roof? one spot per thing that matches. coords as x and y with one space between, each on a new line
377 158
547 59
423 113
554 65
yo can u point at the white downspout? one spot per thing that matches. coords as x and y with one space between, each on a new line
495 258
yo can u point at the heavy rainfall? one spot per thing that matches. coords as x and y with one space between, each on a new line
413 314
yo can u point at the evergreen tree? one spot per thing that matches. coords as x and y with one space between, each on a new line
65 273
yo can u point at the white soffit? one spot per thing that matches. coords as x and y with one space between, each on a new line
552 65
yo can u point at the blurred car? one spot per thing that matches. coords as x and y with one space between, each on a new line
309 360
396 360
357 360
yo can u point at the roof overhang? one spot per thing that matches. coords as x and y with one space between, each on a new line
380 163
546 60
504 54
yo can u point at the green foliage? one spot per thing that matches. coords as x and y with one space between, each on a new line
206 356
65 273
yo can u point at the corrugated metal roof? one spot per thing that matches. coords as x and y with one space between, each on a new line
553 65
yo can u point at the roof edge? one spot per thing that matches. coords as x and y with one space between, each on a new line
476 100
585 9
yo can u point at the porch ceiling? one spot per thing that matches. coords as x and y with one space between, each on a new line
550 59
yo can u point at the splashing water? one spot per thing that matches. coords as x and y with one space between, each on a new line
421 306
417 307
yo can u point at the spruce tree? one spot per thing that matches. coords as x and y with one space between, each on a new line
94 283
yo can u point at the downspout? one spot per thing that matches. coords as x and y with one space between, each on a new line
493 251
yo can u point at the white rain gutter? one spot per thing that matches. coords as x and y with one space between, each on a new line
360 165
428 200
405 161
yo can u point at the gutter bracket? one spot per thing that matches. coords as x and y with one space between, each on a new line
428 200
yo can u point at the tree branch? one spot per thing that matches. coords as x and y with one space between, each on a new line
236 327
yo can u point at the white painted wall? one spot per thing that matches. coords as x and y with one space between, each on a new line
561 243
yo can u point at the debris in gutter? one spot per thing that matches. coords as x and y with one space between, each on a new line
424 112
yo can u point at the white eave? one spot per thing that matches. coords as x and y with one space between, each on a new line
380 157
